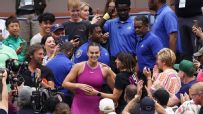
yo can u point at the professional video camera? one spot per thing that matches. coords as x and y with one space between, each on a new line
42 97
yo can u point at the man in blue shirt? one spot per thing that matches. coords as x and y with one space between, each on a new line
147 47
166 25
186 73
61 66
81 52
122 37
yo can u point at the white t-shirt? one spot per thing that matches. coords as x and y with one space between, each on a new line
36 39
5 33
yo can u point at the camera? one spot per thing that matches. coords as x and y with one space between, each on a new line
43 99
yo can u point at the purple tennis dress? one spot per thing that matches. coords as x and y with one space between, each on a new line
84 104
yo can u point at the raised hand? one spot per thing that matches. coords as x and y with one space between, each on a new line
139 87
147 72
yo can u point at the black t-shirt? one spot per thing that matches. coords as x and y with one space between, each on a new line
122 80
77 28
201 110
192 8
29 78
2 111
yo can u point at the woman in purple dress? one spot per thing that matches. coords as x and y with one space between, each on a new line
84 77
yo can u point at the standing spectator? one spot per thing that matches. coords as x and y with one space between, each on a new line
61 66
76 27
57 30
188 11
84 77
147 47
29 9
3 93
122 37
166 26
168 79
125 62
196 93
49 45
35 73
6 53
45 22
186 73
84 13
95 36
111 6
14 40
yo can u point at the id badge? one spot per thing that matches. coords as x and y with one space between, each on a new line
182 3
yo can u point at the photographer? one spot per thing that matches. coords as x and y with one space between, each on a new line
4 93
35 74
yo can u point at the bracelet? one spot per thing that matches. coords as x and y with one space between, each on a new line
98 94
106 16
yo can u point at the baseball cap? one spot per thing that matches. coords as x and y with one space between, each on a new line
147 106
56 27
185 66
199 53
106 105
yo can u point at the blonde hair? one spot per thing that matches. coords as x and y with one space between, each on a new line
73 4
198 87
83 4
168 56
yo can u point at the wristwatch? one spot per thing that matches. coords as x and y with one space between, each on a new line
98 94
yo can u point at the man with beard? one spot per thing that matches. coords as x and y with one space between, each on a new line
122 37
34 73
166 26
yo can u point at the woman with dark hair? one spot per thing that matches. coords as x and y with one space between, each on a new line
49 45
110 5
125 63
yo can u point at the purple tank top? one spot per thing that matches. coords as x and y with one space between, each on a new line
84 104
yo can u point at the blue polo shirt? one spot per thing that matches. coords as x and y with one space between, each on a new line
147 49
165 23
60 66
81 54
122 37
185 88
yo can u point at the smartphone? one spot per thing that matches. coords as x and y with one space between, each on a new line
22 43
196 23
76 38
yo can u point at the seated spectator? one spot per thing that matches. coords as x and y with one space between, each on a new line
106 106
45 22
168 79
24 100
188 106
186 73
57 30
14 40
197 31
130 92
196 93
3 93
62 108
49 45
81 53
35 73
162 97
